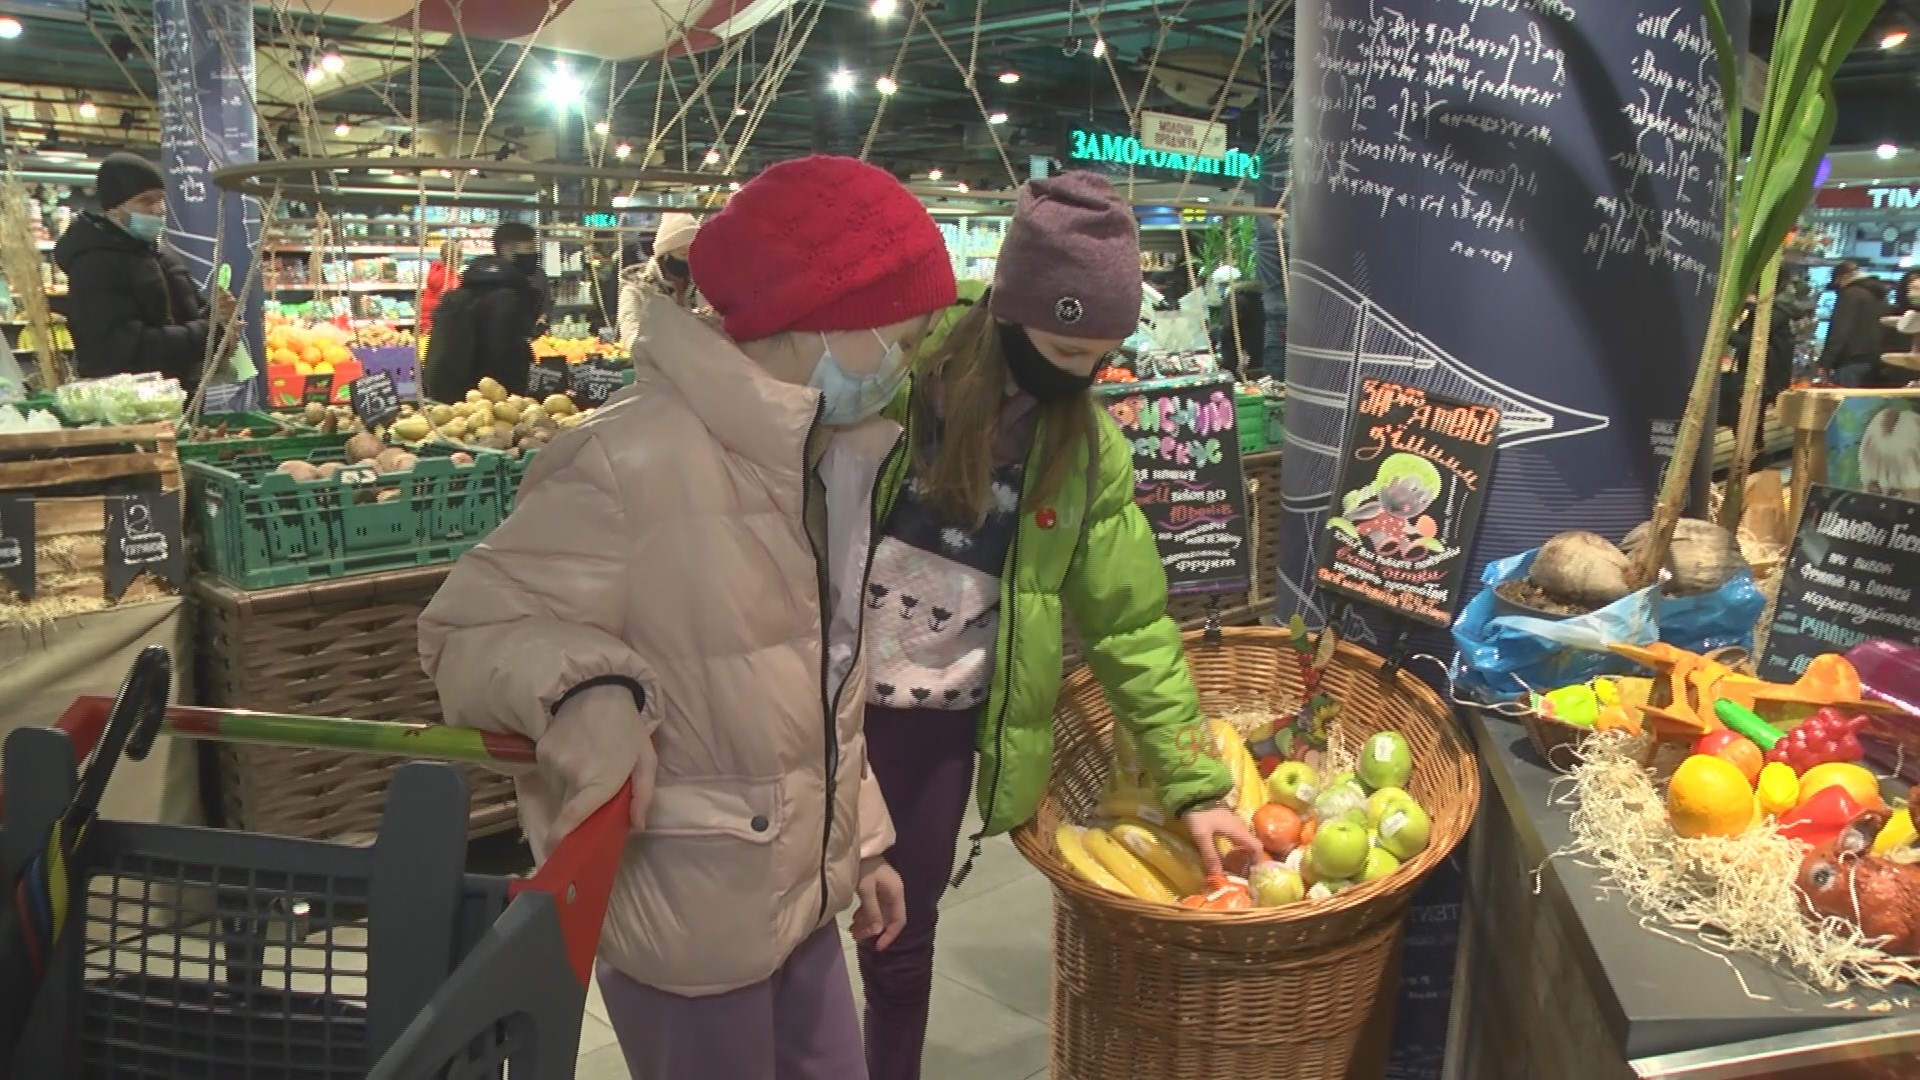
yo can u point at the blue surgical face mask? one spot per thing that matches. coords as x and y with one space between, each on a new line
853 398
145 228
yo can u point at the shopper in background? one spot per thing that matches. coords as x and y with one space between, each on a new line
441 276
1851 355
485 328
1015 509
676 600
131 305
665 274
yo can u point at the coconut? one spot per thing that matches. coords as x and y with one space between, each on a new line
1581 569
1701 558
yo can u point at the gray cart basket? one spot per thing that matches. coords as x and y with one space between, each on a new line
216 955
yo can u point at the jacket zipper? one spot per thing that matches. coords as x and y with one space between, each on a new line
829 723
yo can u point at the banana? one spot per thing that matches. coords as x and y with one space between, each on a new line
1249 791
1133 803
1069 839
1139 880
1162 853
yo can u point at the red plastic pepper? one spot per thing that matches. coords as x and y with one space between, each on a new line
1821 817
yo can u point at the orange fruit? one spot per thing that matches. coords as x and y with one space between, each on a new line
1278 827
1858 782
1709 796
1744 755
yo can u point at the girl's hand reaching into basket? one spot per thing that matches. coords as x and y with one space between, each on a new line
1207 822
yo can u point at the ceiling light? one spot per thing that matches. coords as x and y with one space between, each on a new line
712 158
1886 151
886 85
997 118
883 9
841 82
602 127
1099 47
563 88
340 127
1893 39
935 174
332 62
1009 77
622 151
88 109
10 28
735 186
962 187
739 110
314 75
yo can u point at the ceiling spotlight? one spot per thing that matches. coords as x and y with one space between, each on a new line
883 9
314 75
601 127
282 134
712 158
1893 39
997 118
332 62
341 129
88 109
886 86
10 28
841 82
622 151
473 172
739 110
1886 151
1099 47
563 88
121 47
961 187
1009 77
935 174
505 152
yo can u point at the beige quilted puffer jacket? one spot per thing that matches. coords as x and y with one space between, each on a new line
671 540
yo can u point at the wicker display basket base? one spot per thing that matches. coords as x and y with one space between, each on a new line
1155 992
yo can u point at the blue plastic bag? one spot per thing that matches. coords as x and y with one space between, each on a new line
1502 657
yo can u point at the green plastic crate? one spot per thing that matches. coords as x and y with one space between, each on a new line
295 441
261 529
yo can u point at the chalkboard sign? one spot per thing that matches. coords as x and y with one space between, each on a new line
374 398
17 533
1853 574
143 537
594 383
1413 474
317 390
548 377
1187 479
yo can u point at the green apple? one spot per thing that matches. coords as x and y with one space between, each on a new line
1342 801
1386 761
1383 800
1294 783
1339 849
1380 863
1345 778
1404 830
1273 885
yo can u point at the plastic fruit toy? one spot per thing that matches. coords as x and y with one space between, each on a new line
1709 797
1825 737
1778 789
1734 748
1861 784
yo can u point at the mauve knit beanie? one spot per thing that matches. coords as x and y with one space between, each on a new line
1070 264
820 244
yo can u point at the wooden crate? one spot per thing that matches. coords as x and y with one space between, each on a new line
69 474
333 648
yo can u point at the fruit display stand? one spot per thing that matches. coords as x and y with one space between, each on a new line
331 648
1563 979
1277 993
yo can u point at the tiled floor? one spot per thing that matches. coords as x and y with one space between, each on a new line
990 980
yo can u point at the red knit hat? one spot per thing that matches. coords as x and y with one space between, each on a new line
819 244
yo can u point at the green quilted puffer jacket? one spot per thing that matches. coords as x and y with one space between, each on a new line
1096 564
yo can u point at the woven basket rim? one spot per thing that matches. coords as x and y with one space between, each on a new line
1388 894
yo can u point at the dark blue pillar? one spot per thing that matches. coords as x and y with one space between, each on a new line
204 52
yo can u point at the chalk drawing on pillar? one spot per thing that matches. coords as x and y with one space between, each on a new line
1344 336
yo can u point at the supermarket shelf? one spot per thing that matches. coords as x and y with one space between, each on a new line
350 286
354 249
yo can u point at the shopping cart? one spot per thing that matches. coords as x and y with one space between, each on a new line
209 955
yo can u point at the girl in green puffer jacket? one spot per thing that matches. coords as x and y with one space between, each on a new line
1012 509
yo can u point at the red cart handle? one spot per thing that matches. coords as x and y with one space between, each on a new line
578 873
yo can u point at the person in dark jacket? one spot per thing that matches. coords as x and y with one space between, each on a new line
1851 356
505 304
131 306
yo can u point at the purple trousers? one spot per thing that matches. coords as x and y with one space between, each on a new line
798 1025
923 759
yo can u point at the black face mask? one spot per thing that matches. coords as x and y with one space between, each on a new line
675 267
528 264
1042 379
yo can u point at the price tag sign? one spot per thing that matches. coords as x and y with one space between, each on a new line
594 384
17 532
374 398
143 537
318 390
548 377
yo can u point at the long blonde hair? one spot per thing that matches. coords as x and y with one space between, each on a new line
964 384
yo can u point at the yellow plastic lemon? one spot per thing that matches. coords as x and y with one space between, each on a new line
1778 788
1709 796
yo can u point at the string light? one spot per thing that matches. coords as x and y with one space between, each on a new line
331 62
602 127
997 118
622 151
883 9
1009 77
886 85
842 81
712 158
340 127
1099 47
934 174
10 28
88 109
1893 39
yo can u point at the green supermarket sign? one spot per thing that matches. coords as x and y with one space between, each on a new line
1109 149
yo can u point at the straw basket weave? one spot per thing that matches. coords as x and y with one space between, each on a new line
1155 992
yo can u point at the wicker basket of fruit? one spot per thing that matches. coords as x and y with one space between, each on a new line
1159 974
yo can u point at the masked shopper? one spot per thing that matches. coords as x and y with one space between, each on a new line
131 304
1015 510
665 274
676 600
